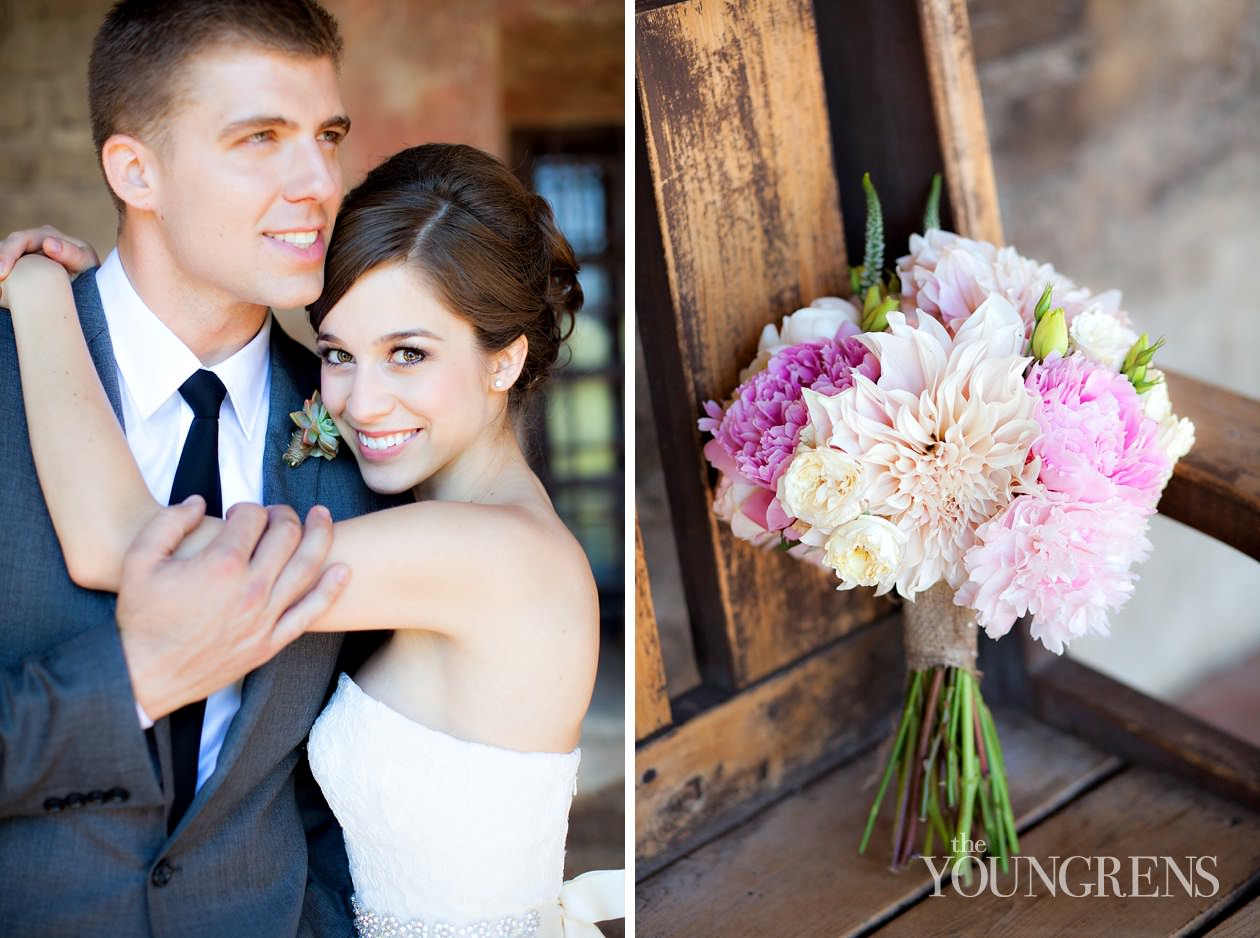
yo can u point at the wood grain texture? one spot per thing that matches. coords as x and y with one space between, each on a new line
1215 487
737 139
651 697
1243 923
795 870
882 119
1081 701
687 478
1139 814
710 773
960 119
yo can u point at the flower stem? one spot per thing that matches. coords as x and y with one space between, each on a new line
893 759
971 770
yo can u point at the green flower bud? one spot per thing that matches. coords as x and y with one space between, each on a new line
870 301
876 319
1043 304
1136 361
1051 335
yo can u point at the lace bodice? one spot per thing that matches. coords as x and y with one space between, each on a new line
440 829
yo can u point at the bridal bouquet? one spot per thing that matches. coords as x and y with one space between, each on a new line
978 433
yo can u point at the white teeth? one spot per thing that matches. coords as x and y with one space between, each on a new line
385 442
302 239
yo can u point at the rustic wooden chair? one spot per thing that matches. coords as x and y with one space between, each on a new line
755 121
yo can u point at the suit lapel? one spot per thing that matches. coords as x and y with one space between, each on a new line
87 300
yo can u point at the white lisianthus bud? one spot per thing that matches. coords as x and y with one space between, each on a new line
1101 337
1176 434
1155 402
866 552
822 487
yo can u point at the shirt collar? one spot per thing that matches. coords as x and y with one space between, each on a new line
154 362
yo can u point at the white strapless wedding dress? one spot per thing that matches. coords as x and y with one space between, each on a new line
448 837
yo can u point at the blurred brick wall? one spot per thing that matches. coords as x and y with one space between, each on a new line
48 170
414 72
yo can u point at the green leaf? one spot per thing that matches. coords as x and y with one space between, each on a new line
873 256
932 214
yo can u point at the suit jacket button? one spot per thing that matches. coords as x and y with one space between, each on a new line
162 874
117 794
74 800
96 796
53 805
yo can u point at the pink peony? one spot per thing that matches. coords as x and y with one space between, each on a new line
950 276
1067 563
762 426
1095 442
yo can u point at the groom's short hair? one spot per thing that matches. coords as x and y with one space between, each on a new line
134 73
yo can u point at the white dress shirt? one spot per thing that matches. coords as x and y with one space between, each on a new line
152 364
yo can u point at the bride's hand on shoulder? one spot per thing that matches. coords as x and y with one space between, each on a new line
33 281
73 254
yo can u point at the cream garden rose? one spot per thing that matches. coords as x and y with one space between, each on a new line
822 487
866 551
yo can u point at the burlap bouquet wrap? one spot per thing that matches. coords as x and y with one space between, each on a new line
938 633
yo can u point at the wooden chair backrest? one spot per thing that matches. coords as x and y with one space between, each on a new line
755 121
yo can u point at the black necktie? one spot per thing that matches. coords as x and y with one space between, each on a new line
196 474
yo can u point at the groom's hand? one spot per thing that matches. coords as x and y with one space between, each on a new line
193 624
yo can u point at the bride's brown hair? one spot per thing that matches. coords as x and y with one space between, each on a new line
480 238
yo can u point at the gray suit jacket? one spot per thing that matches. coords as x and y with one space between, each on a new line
83 800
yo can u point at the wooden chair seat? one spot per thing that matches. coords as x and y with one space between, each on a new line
794 869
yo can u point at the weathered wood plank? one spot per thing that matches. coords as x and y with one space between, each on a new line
882 119
1215 488
1139 819
736 137
710 773
960 119
1078 699
794 869
687 479
651 697
1244 923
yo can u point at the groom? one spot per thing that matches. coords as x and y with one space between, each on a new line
148 747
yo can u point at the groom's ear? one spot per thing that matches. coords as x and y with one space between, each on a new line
129 169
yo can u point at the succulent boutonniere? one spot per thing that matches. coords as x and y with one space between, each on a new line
316 434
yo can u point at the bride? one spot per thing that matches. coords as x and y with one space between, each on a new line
450 757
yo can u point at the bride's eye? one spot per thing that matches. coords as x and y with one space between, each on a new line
406 355
336 356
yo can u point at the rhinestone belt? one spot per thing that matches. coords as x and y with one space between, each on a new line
369 924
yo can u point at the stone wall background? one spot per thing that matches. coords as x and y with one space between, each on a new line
1126 143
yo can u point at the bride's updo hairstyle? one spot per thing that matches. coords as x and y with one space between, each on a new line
487 245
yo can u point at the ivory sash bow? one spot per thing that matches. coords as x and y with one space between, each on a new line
592 897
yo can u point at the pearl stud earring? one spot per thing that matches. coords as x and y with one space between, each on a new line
498 382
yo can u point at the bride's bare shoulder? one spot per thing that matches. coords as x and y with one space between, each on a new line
520 549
